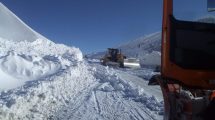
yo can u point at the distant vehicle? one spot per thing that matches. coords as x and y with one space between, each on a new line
115 58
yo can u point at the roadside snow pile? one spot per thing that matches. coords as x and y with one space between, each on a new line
44 98
40 47
23 68
40 78
26 61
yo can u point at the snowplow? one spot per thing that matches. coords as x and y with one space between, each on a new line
187 78
115 58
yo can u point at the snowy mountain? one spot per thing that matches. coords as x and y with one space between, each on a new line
146 48
43 80
146 44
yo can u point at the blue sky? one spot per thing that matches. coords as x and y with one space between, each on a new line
93 25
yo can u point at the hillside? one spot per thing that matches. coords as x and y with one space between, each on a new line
146 48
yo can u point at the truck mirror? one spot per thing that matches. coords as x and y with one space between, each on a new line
211 5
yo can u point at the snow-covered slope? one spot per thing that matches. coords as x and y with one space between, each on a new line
12 28
148 44
146 48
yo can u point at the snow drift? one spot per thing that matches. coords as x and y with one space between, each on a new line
33 61
22 68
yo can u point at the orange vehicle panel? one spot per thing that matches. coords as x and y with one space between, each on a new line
169 70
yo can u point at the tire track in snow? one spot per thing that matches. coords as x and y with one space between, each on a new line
96 102
135 112
105 100
147 113
139 113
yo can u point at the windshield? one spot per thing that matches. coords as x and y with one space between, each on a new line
192 10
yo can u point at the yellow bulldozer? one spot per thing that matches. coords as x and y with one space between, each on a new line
113 57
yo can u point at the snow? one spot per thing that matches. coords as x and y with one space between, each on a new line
22 68
12 28
146 48
40 47
116 97
153 59
44 80
83 91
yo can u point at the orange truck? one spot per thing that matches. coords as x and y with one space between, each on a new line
187 78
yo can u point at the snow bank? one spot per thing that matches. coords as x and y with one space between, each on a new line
45 98
33 60
40 47
22 68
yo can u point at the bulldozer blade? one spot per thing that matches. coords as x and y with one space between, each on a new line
131 63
